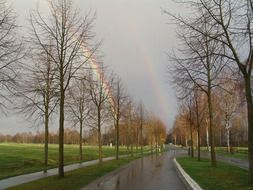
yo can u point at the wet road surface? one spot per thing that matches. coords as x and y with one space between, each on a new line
150 173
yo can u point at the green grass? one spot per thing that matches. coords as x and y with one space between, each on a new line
239 152
16 159
75 179
224 176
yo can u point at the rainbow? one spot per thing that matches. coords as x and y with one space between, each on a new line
98 73
150 69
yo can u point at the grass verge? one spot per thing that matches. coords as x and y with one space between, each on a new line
238 152
224 176
75 179
17 159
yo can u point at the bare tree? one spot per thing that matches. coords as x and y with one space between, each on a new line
99 89
181 128
199 110
78 107
228 106
118 100
198 63
159 133
36 92
141 123
187 119
234 19
155 131
11 52
71 38
150 131
129 124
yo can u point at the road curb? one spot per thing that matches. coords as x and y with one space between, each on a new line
187 180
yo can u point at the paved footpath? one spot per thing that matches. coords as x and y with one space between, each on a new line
233 161
149 173
13 181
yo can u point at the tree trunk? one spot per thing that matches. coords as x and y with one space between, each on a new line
46 105
117 138
99 137
151 145
141 139
117 120
227 134
61 138
207 137
46 141
228 142
132 146
156 145
61 125
250 123
198 142
211 135
210 112
141 148
81 141
198 127
192 149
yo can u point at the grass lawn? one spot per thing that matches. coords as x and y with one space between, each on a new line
223 177
75 179
240 152
16 159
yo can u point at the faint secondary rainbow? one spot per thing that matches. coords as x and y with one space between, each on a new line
150 70
147 61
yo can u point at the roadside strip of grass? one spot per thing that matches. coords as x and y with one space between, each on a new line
75 179
17 159
238 152
222 177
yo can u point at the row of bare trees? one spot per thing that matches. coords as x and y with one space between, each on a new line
215 54
71 136
192 123
152 135
56 72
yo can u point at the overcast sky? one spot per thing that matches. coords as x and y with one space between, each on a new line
135 41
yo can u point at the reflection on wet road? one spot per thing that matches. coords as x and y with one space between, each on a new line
150 173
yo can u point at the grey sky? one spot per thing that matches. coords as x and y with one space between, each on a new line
135 41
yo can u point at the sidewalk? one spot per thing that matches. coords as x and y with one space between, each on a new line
234 161
18 180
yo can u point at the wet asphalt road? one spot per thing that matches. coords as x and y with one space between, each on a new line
149 173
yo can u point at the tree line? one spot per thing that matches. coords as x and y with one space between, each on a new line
212 73
153 136
56 71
